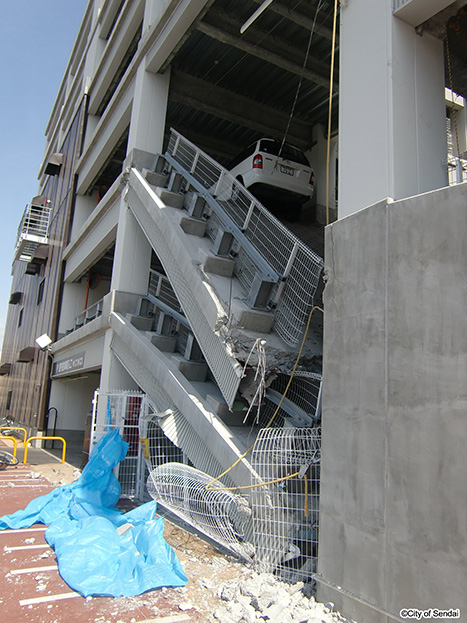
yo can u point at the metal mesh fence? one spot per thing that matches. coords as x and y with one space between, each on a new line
304 391
285 514
297 265
275 522
221 515
120 409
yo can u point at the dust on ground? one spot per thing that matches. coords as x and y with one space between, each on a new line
205 567
214 576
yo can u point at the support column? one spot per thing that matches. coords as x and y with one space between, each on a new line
392 121
132 258
114 375
149 111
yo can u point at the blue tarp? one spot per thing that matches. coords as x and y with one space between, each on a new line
99 549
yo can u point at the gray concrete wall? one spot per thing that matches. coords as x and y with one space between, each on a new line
393 516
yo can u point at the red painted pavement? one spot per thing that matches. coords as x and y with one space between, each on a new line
30 592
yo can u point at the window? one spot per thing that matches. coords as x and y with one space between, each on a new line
40 292
20 317
8 400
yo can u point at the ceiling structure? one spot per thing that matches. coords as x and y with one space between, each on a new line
450 26
227 89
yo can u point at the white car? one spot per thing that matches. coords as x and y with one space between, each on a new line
282 179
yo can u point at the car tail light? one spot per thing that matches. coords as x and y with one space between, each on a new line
258 162
312 179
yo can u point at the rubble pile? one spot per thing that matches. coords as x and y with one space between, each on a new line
260 597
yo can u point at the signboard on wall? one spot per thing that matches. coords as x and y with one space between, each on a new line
69 365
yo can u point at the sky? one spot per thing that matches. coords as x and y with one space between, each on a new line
36 39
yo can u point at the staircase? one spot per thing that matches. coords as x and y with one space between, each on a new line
237 272
235 283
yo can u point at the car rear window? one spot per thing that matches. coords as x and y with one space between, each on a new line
288 151
249 151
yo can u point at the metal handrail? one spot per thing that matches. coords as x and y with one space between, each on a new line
34 224
228 225
42 439
263 247
87 315
161 289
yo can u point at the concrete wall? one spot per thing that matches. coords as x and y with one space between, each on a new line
73 399
393 517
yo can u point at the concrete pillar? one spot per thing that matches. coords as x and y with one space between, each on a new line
113 376
392 121
149 111
73 298
97 45
132 255
318 158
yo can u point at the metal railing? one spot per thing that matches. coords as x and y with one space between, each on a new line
33 230
34 224
168 314
8 430
263 248
90 313
39 438
161 288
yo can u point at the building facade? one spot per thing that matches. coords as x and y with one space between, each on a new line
159 276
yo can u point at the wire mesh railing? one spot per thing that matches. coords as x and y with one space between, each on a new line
274 519
33 230
34 224
286 513
87 315
304 391
120 409
161 288
262 245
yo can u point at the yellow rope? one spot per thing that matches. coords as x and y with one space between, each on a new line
272 417
331 81
260 484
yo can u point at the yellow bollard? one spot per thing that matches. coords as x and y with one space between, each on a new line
16 428
42 439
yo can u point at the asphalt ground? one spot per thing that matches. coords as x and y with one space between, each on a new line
30 585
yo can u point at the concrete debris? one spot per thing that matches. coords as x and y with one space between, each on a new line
260 597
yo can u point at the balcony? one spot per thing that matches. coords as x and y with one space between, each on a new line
33 231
